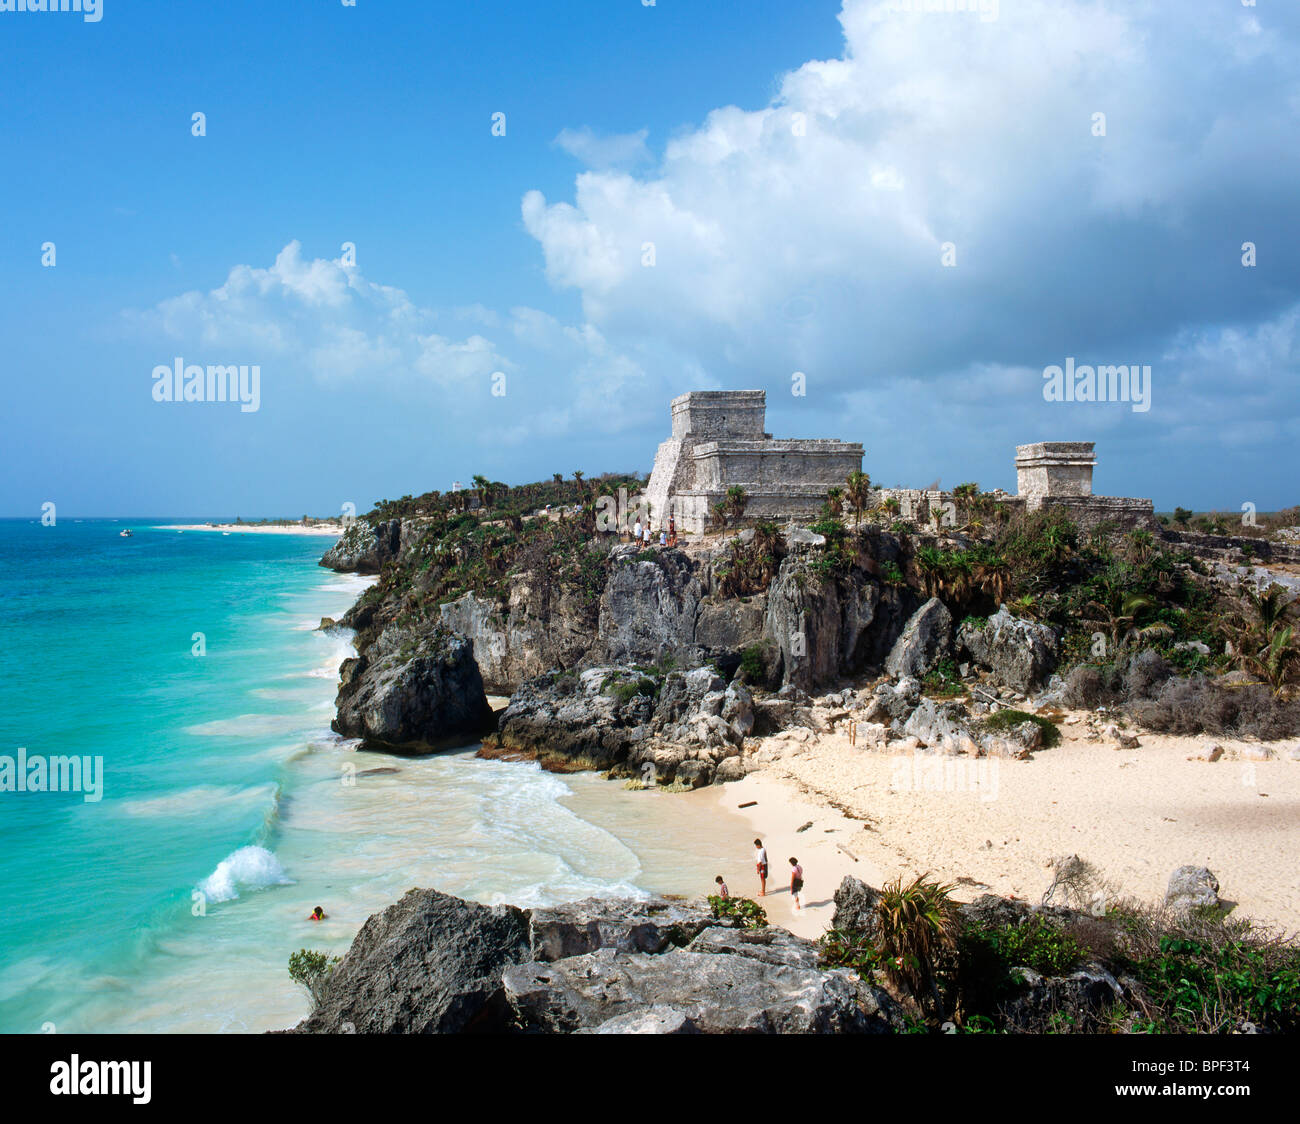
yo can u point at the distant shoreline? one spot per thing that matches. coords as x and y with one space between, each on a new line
333 530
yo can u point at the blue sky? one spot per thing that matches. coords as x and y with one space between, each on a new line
797 168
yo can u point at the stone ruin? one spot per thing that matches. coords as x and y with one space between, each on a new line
718 441
1048 474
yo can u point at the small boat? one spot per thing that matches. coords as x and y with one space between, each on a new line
126 534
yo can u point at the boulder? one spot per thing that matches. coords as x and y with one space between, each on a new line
413 692
1192 887
430 964
926 639
855 906
1020 653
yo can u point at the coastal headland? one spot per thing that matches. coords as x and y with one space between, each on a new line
1011 705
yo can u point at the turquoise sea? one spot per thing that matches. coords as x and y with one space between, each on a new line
229 809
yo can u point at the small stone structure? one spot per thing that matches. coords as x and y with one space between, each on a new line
1048 474
1054 469
718 442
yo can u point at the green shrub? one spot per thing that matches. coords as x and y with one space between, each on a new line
311 970
751 663
748 912
1004 720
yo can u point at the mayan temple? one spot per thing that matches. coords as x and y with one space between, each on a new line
718 442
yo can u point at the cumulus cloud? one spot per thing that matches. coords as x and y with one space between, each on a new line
323 319
1091 167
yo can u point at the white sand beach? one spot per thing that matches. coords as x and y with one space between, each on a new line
994 824
325 530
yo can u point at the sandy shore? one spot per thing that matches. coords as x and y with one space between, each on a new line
332 530
995 824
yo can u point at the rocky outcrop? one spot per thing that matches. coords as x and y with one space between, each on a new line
365 547
1021 654
825 627
715 992
413 691
437 964
665 727
925 641
431 964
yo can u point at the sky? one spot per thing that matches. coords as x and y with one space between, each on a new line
497 238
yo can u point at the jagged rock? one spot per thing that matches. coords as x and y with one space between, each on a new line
770 945
364 548
824 628
940 726
628 925
1082 996
925 641
855 906
718 993
430 964
989 911
738 709
413 691
1020 653
1192 887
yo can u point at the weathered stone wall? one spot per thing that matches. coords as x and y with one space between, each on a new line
1055 468
703 415
718 442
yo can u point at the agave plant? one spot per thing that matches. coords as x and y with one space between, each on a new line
917 926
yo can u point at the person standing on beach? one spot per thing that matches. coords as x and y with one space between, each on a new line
796 883
723 892
760 861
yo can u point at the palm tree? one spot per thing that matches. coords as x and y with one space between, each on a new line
736 502
484 489
577 480
835 502
858 491
1266 642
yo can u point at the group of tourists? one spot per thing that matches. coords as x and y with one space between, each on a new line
760 863
641 533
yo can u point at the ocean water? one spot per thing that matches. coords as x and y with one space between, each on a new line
229 809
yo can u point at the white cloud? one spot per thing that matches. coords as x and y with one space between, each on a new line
618 150
807 234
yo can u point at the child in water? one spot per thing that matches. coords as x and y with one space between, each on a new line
317 914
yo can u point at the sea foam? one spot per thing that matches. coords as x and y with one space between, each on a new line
249 868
